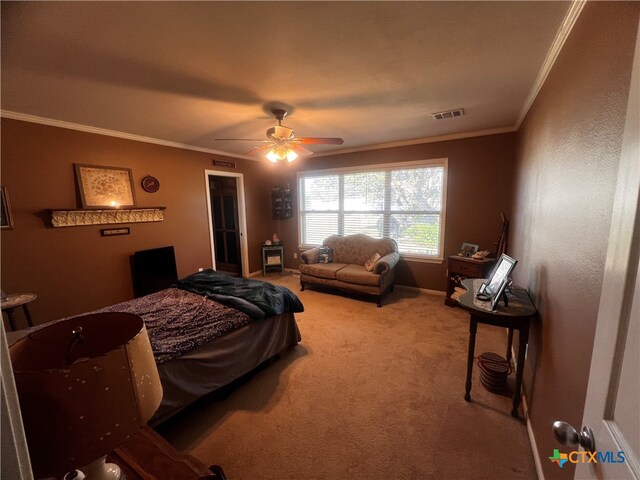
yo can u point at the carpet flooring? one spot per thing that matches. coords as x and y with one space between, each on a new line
370 393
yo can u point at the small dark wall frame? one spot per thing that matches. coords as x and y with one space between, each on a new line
6 219
112 232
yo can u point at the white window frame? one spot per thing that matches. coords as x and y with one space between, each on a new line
439 162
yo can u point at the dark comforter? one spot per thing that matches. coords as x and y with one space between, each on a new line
253 297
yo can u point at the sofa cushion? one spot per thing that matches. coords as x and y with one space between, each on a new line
358 248
357 274
322 270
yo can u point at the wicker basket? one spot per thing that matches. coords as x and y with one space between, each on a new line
494 370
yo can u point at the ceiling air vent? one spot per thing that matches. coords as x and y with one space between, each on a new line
458 112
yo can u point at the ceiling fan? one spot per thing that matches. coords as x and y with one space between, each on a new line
281 142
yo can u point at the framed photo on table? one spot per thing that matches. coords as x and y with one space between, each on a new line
468 249
105 187
495 285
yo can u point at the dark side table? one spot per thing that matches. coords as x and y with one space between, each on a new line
516 316
459 268
11 302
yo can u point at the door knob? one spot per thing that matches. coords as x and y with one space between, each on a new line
568 435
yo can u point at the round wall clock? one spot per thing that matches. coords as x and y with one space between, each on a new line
150 184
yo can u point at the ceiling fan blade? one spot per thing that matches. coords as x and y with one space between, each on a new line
241 139
258 150
319 140
303 152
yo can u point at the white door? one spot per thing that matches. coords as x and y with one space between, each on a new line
612 407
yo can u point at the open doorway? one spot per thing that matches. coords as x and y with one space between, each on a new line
227 222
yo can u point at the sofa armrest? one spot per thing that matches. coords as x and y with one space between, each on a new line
386 263
311 256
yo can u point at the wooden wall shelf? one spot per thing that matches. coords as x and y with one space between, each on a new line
83 217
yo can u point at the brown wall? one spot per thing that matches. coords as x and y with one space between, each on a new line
74 269
479 188
569 147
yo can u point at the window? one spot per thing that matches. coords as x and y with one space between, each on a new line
404 201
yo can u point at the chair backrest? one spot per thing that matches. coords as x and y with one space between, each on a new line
358 248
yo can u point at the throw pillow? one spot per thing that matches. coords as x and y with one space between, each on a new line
326 255
372 261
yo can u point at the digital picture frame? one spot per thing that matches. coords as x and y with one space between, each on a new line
495 285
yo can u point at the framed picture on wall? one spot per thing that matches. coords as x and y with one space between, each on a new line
105 187
6 219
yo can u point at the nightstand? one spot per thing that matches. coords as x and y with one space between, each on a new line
272 258
459 268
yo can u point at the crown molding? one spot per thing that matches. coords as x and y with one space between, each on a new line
419 141
563 33
138 138
114 133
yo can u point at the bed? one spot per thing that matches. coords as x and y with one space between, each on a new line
209 329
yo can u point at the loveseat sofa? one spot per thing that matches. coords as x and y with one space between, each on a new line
347 271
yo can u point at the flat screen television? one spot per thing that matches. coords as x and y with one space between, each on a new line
495 285
153 270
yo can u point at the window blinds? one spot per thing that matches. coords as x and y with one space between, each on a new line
404 203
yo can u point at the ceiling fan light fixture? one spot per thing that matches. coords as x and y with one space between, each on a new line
272 156
281 142
281 152
291 155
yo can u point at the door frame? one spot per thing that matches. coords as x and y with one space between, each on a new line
242 217
618 284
